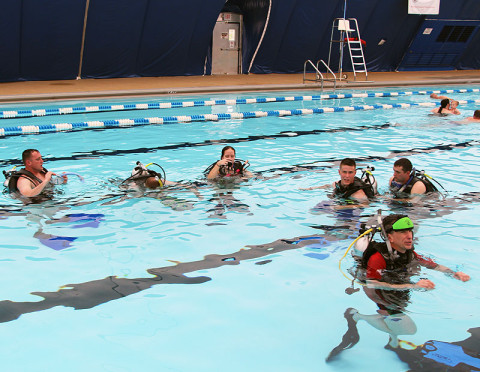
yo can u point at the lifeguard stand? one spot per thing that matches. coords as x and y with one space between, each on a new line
346 31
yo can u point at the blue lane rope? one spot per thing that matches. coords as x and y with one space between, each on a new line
11 114
123 123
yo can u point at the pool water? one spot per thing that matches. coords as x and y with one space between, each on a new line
238 277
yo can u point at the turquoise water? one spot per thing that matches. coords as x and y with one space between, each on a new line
236 289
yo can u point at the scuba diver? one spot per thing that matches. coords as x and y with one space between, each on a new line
228 166
226 172
386 268
34 179
350 186
408 180
143 177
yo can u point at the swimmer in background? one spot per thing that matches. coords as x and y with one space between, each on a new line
451 107
443 109
475 118
228 166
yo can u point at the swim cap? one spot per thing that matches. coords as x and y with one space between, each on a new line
404 223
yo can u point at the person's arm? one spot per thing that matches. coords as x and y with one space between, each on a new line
316 187
377 265
457 275
436 96
360 196
421 284
24 185
216 169
418 188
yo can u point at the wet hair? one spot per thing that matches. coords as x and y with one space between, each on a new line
348 161
404 163
27 154
225 149
152 183
476 114
443 104
389 220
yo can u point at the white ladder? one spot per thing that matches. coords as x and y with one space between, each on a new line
350 36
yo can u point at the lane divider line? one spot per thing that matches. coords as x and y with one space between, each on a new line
122 123
12 114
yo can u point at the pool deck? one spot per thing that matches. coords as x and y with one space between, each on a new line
176 85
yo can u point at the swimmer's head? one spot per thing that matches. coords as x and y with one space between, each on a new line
476 114
228 152
152 183
454 104
444 103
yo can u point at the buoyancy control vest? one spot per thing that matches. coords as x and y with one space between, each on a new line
235 169
347 191
399 266
14 176
414 178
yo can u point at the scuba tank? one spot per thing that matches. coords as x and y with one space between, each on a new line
142 172
8 175
369 178
367 232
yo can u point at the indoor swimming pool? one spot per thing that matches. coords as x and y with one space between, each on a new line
240 276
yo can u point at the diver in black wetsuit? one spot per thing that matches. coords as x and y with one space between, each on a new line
34 179
407 180
350 186
387 269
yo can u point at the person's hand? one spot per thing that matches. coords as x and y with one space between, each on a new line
48 176
65 178
425 284
223 162
461 276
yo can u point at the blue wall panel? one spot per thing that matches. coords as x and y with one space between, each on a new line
114 31
176 37
41 40
10 31
50 39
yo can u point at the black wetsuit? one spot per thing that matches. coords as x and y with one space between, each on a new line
12 183
347 191
399 268
430 187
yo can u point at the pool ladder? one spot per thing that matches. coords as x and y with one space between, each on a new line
318 75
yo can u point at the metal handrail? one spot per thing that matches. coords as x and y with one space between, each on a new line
318 75
329 70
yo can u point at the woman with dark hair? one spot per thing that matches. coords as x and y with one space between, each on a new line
228 166
444 107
